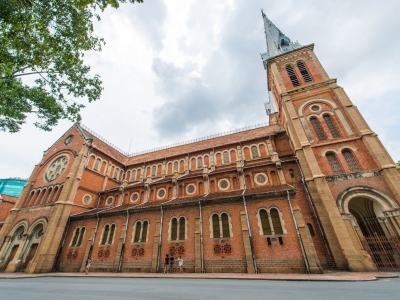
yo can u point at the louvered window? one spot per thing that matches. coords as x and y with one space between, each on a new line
175 166
199 162
153 171
225 225
333 162
225 156
304 72
182 228
174 229
292 75
331 126
133 175
215 223
317 128
97 164
266 228
348 156
254 152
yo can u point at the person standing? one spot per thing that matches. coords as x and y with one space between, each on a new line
171 263
180 264
166 263
87 265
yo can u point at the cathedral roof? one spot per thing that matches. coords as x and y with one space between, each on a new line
277 42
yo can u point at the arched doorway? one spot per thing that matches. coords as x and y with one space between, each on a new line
372 214
11 247
367 214
32 244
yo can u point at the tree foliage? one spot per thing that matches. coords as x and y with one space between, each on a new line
42 45
398 163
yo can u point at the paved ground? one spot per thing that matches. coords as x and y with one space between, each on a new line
174 287
329 276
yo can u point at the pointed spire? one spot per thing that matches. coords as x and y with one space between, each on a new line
277 42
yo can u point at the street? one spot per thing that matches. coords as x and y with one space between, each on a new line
61 288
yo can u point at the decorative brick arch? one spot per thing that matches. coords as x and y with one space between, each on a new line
385 202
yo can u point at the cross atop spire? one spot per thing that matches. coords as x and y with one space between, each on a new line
277 42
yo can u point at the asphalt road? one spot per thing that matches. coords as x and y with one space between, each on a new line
60 288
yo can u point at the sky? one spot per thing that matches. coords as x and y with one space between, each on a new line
176 70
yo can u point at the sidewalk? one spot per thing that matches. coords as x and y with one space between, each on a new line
330 276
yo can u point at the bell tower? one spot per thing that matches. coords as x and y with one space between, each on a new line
349 174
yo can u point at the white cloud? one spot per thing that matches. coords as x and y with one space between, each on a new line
176 70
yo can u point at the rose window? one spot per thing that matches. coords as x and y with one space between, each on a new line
56 168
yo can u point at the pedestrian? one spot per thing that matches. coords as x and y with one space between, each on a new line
166 263
171 263
87 265
180 264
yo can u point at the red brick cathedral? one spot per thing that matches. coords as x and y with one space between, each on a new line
313 191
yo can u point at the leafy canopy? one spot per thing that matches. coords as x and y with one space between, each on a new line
43 42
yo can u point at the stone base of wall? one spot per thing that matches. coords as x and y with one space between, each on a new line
281 266
69 267
132 267
103 267
225 266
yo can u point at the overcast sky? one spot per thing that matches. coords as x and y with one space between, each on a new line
176 70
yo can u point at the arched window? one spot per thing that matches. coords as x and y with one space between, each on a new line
331 126
174 229
220 224
215 225
97 164
276 221
311 229
266 228
106 231
175 166
178 229
199 162
304 72
351 162
153 171
254 152
182 228
108 234
138 231
225 157
292 176
292 75
81 234
317 128
140 235
116 171
271 222
75 237
333 162
133 175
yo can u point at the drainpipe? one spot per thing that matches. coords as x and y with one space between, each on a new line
247 220
201 240
298 234
160 240
123 242
315 213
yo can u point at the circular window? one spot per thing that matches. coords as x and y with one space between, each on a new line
56 168
223 184
68 139
315 107
190 189
161 193
86 199
134 197
109 201
260 179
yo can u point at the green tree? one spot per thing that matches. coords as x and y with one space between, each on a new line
398 163
42 45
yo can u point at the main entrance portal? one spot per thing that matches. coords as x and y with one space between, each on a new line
375 232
